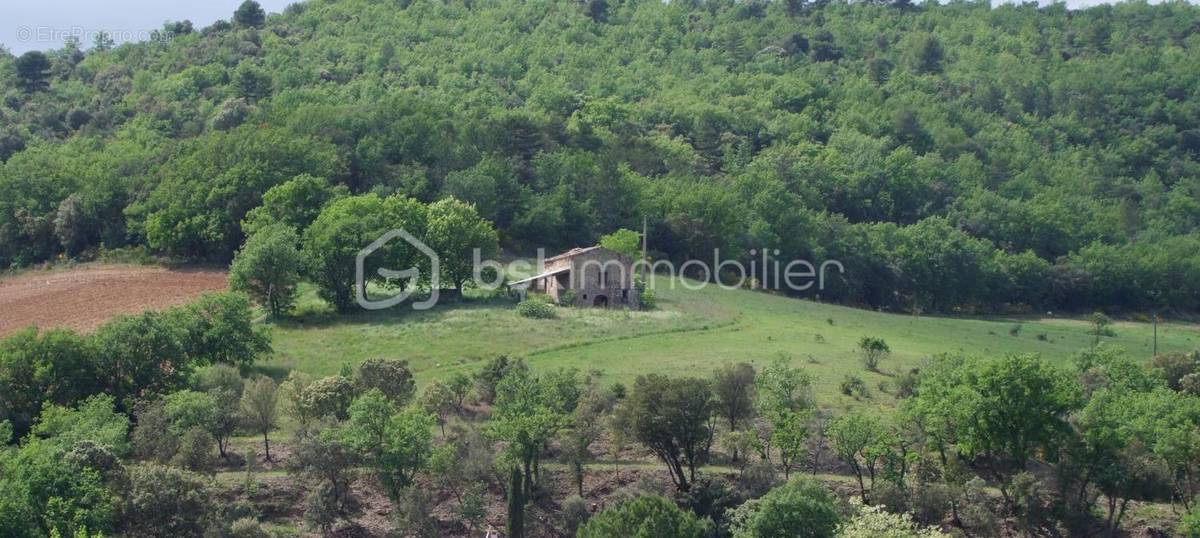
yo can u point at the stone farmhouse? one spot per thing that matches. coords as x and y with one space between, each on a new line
592 276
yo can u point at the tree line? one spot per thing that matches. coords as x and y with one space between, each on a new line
309 229
953 157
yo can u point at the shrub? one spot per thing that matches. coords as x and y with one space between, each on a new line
1101 325
195 451
1190 384
1030 503
492 372
874 522
801 508
649 515
1189 526
873 350
151 437
247 528
413 515
1173 367
392 377
853 385
473 508
536 309
757 479
931 501
647 301
891 496
710 498
906 383
328 396
326 466
230 113
574 514
566 298
978 509
162 501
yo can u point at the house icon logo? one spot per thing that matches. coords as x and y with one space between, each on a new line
411 273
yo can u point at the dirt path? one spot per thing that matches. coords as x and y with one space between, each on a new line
83 298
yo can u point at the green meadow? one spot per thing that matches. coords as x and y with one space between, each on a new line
691 332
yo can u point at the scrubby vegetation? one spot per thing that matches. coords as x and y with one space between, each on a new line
977 443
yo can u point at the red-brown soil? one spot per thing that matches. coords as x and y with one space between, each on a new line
85 297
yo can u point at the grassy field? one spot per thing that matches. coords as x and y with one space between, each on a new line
690 333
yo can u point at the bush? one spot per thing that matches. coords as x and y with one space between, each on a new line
390 376
930 502
710 498
649 515
853 385
1190 384
978 509
247 528
413 515
906 383
647 300
566 298
328 396
195 451
801 508
574 514
1030 503
491 373
536 309
757 479
889 495
162 501
874 522
873 351
1173 367
1189 526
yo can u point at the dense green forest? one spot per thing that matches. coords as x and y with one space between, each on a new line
953 157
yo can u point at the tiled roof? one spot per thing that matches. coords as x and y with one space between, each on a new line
573 252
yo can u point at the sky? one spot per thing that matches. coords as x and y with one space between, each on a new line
43 24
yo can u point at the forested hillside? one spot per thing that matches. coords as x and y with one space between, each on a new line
951 156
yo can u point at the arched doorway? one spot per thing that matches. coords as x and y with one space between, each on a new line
601 301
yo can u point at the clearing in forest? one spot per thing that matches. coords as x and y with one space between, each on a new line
84 297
